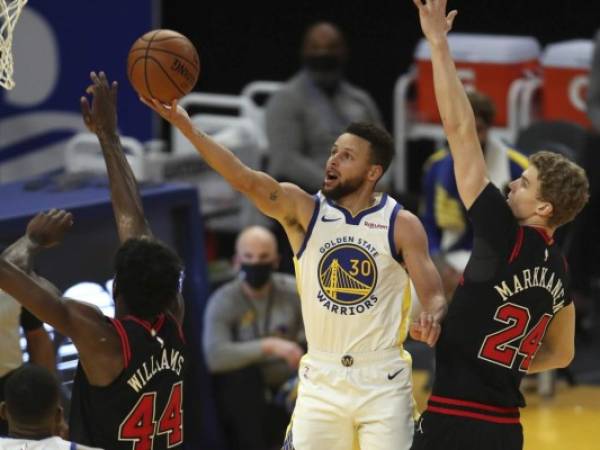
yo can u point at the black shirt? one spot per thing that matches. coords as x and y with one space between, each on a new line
143 407
514 283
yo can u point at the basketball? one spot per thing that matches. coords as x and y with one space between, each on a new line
163 64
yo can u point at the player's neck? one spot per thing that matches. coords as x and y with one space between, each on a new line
358 201
536 222
36 433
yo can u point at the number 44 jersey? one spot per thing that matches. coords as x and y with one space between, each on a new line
143 408
513 285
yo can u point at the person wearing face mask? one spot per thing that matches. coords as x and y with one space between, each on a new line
252 335
313 108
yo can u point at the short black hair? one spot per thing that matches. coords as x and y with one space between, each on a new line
147 276
32 395
382 144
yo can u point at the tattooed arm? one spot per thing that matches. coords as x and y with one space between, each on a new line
285 202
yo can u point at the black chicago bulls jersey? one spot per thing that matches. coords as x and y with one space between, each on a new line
515 282
143 408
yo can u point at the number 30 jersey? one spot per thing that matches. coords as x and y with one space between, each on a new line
355 294
143 407
514 283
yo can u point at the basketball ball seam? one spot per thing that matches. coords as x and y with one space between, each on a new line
169 52
146 65
168 38
166 74
132 67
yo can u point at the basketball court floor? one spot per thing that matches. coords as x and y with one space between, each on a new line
568 421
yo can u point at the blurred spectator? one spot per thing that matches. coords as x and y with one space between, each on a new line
252 334
592 160
32 410
13 317
593 105
586 267
304 118
443 215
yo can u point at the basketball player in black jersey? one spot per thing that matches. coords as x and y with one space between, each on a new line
128 390
512 313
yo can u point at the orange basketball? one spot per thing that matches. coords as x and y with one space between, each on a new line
163 64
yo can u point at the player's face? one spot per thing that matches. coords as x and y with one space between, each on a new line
347 167
523 197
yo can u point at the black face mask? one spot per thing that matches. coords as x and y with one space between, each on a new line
257 275
323 63
326 70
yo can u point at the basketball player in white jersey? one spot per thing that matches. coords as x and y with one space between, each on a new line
351 245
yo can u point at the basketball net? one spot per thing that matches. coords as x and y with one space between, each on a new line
9 14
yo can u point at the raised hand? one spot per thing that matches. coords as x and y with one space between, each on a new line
47 229
426 329
172 113
101 117
434 21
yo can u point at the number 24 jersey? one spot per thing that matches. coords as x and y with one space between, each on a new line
514 283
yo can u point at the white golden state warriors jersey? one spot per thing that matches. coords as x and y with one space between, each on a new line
355 294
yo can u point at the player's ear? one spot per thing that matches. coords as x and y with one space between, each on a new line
375 172
545 210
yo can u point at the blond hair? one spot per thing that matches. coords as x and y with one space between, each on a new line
563 184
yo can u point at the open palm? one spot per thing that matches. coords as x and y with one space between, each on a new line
434 21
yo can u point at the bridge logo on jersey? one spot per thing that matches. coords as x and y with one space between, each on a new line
347 277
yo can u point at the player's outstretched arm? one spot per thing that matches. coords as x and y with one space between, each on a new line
411 241
96 340
280 201
101 119
94 337
453 104
558 346
45 230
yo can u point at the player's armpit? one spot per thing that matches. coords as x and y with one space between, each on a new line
558 346
469 168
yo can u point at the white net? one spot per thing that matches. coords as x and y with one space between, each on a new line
9 14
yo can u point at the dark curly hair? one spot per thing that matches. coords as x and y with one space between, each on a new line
382 144
31 394
563 184
147 276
